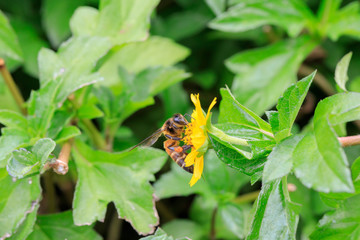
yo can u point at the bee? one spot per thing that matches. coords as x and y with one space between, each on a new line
173 129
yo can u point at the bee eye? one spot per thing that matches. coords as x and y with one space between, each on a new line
177 118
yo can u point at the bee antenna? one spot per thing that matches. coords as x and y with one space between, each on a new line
186 114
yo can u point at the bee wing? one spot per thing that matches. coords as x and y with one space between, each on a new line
149 140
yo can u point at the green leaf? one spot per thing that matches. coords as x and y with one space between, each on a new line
342 223
26 226
236 157
184 24
89 111
344 22
24 162
334 199
280 161
289 105
221 181
176 183
11 139
13 119
67 133
252 14
280 61
235 218
63 73
183 228
84 21
240 114
273 117
60 121
30 43
55 19
122 178
159 235
123 21
42 149
319 160
202 210
61 226
274 217
152 81
79 56
324 170
9 44
341 70
217 6
18 199
138 56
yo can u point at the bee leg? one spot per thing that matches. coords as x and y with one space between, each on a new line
176 149
172 138
186 147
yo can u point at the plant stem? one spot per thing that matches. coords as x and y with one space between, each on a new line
90 128
94 134
12 87
319 79
248 197
61 164
213 224
349 140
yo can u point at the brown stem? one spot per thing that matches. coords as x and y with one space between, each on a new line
12 87
319 79
349 140
248 197
61 164
213 223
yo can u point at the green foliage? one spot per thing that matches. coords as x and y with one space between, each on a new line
14 210
340 223
341 70
24 162
9 44
260 91
322 146
59 226
273 201
291 15
289 105
125 184
262 179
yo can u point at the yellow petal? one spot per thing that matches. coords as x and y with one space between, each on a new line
210 107
198 168
200 115
193 181
190 158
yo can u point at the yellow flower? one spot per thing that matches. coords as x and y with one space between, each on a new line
196 136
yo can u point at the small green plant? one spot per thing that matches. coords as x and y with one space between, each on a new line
253 178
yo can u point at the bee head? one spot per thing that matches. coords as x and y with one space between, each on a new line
179 119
